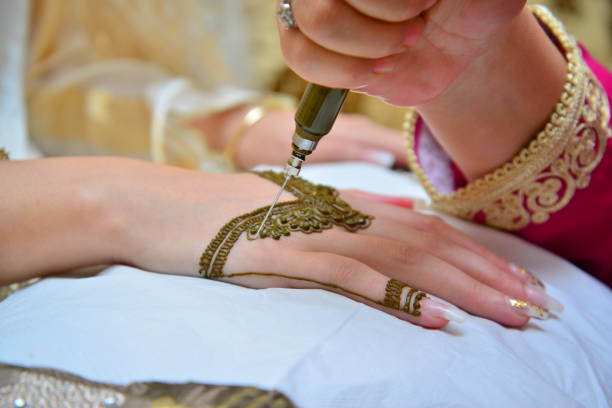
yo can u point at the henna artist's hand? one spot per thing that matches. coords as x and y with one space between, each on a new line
459 62
173 214
405 51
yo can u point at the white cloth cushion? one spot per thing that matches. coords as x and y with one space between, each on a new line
321 349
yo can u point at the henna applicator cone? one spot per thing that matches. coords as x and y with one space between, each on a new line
314 118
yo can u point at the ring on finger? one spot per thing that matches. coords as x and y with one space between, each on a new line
285 14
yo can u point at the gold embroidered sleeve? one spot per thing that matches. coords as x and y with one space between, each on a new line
544 176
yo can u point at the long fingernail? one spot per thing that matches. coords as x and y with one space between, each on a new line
527 309
543 299
384 65
430 307
526 276
381 157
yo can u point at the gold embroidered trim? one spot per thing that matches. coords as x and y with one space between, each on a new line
543 177
27 387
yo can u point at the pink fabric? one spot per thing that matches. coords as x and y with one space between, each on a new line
581 232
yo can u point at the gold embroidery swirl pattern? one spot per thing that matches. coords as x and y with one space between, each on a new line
316 209
543 177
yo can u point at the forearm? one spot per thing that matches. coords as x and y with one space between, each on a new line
501 101
56 215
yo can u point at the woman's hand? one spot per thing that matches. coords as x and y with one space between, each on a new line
353 138
69 213
462 63
405 51
171 215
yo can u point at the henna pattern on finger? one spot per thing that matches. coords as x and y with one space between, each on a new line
316 209
393 296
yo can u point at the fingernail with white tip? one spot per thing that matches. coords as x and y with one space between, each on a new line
527 309
431 307
380 157
543 299
526 276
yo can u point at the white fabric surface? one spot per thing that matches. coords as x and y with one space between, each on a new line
321 349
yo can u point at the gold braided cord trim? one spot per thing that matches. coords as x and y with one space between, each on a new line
316 209
543 177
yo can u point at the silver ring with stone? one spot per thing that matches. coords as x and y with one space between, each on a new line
285 14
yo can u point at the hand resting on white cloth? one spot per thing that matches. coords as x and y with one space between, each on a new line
321 349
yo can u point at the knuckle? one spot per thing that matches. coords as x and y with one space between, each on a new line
435 224
477 295
406 255
433 243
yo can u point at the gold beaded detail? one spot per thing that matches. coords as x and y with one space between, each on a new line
316 209
543 177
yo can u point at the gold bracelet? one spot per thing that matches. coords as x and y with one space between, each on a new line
544 176
268 103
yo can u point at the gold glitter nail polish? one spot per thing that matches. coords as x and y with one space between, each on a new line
527 309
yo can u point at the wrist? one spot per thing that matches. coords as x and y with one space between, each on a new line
501 100
60 217
100 203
